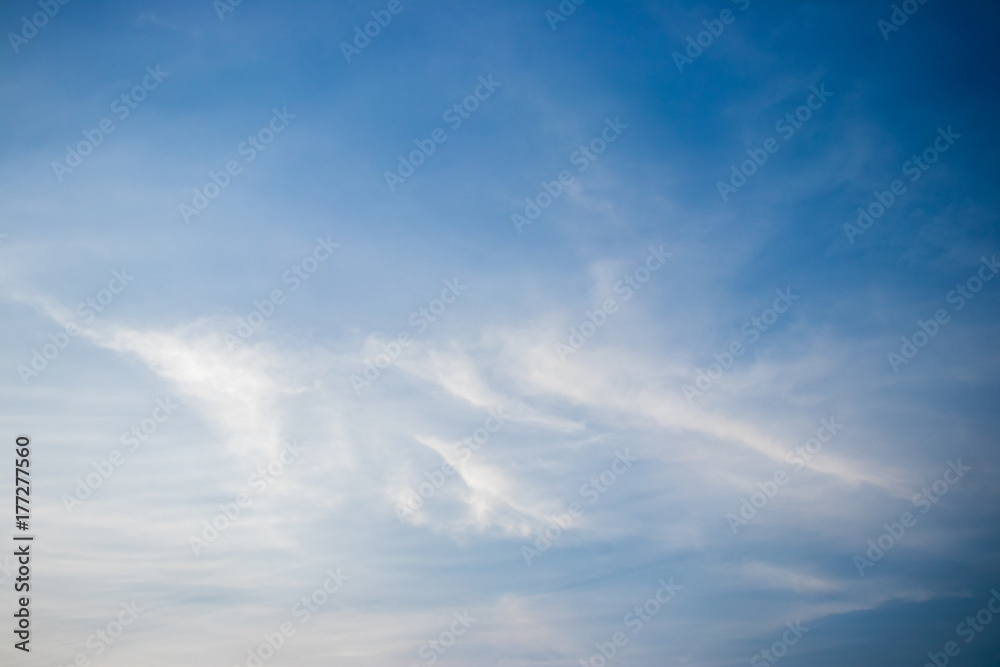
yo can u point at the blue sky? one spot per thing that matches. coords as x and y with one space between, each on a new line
629 371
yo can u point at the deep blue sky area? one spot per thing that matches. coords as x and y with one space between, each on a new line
521 334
